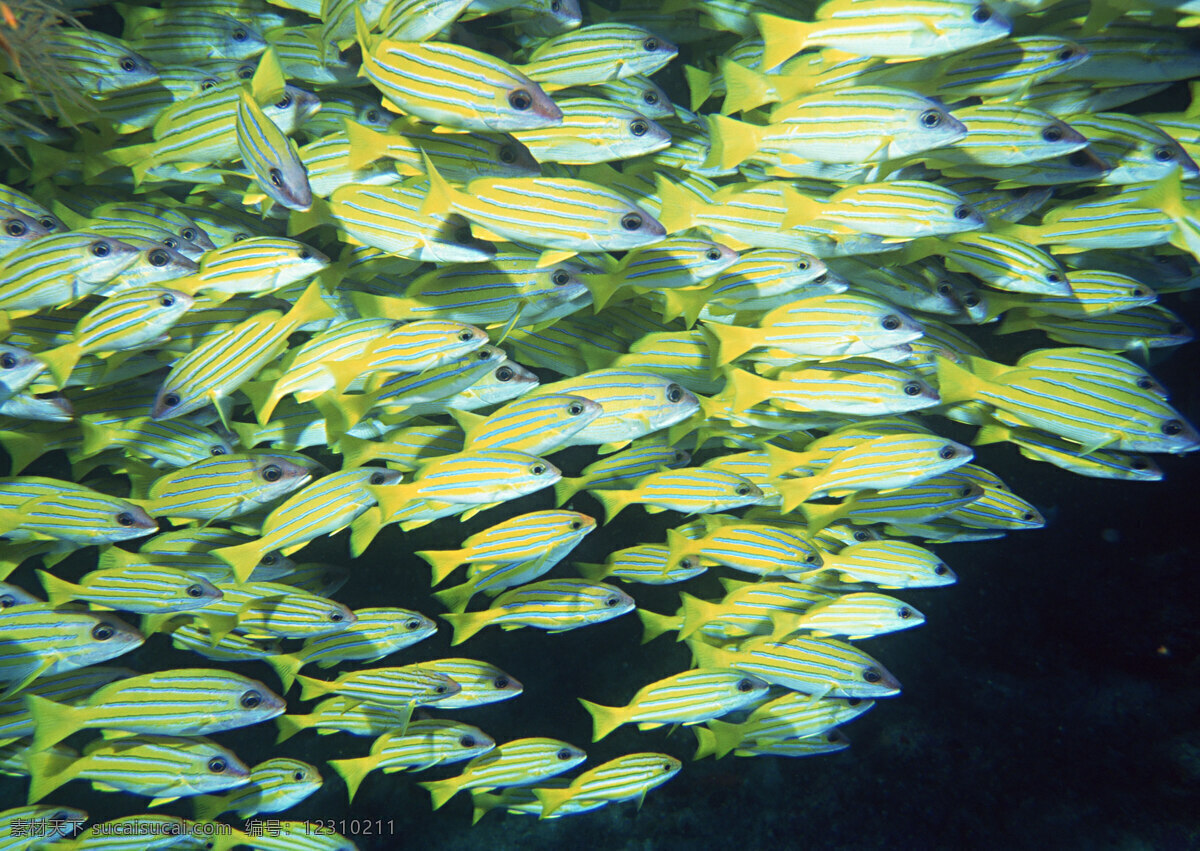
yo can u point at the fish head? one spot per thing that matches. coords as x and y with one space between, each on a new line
515 160
929 125
134 522
105 637
633 227
16 227
523 105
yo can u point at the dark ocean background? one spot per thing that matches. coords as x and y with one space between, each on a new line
1051 700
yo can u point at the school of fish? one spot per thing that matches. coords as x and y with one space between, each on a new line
274 271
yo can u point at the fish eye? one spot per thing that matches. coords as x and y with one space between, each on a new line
7 601
251 699
15 227
501 682
1028 516
483 354
981 14
304 254
940 569
269 560
575 409
611 602
639 128
276 177
712 254
559 277
537 469
745 686
1053 133
171 242
970 300
576 525
650 45
467 741
802 265
1065 54
48 223
103 631
912 388
159 258
946 453
378 478
967 490
931 118
1163 154
505 373
1078 159
412 623
189 234
336 617
217 765
507 155
687 563
1053 278
904 613
208 83
1138 292
245 72
564 754
272 473
871 675
650 98
811 558
439 689
674 393
555 6
742 490
127 63
298 776
520 100
945 289
1135 464
890 322
1172 428
239 34
962 212
8 360
631 221
101 249
125 518
466 336
861 536
217 450
194 591
171 400
372 115
682 457
1142 383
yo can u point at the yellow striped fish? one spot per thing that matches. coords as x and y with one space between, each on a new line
625 778
516 763
275 785
426 743
555 605
686 698
179 702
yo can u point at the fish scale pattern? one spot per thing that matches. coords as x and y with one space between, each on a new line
271 273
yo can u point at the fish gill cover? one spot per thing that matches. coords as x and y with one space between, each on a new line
290 293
